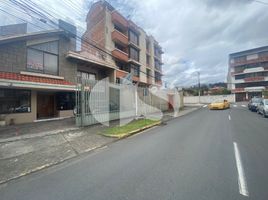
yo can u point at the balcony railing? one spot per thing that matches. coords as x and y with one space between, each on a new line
254 79
119 19
244 62
120 55
120 38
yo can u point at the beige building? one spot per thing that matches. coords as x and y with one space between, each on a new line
124 45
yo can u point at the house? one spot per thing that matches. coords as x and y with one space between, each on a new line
36 80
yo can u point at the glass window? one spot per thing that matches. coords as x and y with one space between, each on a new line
85 76
43 58
50 63
133 54
133 37
15 101
65 100
135 70
35 60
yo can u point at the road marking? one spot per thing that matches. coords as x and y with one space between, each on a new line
229 116
235 106
204 106
243 188
244 106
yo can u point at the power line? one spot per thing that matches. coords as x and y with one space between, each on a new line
27 6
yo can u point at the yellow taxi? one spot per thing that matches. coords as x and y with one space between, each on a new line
219 105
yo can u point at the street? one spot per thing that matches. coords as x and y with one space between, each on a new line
210 155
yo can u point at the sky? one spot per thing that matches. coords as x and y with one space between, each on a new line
196 35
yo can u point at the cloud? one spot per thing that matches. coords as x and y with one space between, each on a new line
196 35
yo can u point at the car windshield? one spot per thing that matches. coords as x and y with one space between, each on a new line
257 100
265 102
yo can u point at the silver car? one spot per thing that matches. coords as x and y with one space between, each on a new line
263 108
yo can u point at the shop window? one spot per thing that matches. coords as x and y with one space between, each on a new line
15 101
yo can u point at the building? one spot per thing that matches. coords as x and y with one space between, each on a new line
36 80
248 73
123 44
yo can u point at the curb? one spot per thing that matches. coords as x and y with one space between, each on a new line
124 135
46 166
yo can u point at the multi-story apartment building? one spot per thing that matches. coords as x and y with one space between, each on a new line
248 73
125 45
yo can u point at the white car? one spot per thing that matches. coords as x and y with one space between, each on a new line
263 108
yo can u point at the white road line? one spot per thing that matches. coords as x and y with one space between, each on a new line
229 116
243 188
204 106
235 106
244 106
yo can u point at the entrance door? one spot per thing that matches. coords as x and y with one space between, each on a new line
45 105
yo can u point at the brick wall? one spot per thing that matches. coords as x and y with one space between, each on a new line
95 29
13 57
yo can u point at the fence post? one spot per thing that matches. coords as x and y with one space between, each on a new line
82 104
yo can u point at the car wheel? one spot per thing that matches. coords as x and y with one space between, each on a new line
264 114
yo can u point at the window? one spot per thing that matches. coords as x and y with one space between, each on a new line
119 29
133 38
122 66
65 100
133 54
148 60
148 73
135 70
157 76
85 76
120 47
15 101
43 58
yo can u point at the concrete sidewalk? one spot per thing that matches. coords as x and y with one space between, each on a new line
21 155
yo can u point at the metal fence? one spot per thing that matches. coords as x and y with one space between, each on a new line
102 102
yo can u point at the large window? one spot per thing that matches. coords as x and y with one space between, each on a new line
135 70
133 54
43 58
85 76
65 100
15 101
133 37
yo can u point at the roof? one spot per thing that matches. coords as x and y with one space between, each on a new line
25 36
249 51
33 79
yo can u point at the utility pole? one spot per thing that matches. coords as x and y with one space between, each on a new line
199 86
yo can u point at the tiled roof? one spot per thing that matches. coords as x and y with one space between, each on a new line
35 79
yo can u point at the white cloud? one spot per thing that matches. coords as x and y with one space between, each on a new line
196 35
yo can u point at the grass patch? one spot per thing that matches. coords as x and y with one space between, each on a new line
130 128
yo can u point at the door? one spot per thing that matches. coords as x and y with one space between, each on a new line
45 105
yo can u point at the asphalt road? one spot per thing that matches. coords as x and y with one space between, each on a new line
210 155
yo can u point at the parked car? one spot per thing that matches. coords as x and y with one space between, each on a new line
263 108
219 105
253 103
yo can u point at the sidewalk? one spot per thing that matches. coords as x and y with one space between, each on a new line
21 155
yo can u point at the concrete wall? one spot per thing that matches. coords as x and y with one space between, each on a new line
208 99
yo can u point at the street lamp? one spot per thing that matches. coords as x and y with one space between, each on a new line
199 89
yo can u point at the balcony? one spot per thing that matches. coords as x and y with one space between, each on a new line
120 38
120 55
158 82
122 74
244 62
149 80
119 20
254 79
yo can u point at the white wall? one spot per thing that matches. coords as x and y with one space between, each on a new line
209 99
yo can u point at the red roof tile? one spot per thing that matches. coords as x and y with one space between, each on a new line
36 79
